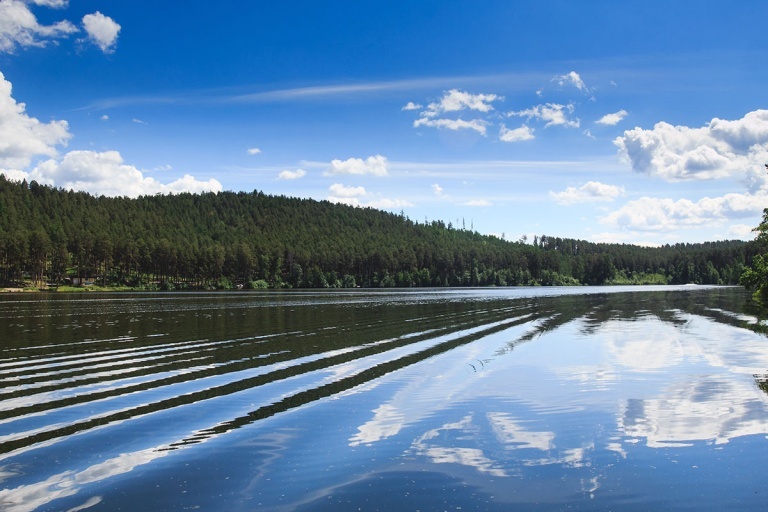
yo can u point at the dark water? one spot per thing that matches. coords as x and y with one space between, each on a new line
520 399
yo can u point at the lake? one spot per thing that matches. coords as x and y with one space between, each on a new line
619 398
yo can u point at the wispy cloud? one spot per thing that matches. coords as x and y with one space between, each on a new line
573 79
491 169
477 125
324 91
510 81
552 113
613 119
477 202
235 95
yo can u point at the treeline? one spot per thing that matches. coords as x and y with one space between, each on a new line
51 236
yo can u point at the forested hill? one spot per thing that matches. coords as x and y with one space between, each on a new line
228 239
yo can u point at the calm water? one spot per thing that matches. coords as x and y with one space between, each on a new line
514 399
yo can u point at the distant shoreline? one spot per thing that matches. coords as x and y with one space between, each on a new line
127 289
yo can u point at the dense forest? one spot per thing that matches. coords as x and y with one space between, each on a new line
50 237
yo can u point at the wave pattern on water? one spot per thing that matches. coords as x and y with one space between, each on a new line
54 390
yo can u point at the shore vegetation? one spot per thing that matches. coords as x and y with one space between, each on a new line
55 239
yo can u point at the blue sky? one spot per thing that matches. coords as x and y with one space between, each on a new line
630 122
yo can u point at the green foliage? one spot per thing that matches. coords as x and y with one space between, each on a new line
250 240
756 275
637 278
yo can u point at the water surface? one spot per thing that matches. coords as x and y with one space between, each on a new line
494 399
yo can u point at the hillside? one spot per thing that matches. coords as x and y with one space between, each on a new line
243 239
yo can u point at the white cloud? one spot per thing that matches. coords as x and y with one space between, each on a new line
592 191
14 174
663 215
54 4
718 150
351 201
105 117
254 151
339 190
412 106
456 100
452 102
573 79
516 134
437 189
102 31
478 202
19 27
338 193
23 137
375 165
552 113
292 175
388 204
478 125
613 119
106 174
343 194
138 121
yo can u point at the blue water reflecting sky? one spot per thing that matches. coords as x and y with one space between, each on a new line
620 401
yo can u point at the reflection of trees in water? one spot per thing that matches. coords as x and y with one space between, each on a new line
762 382
758 323
595 310
759 316
723 305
